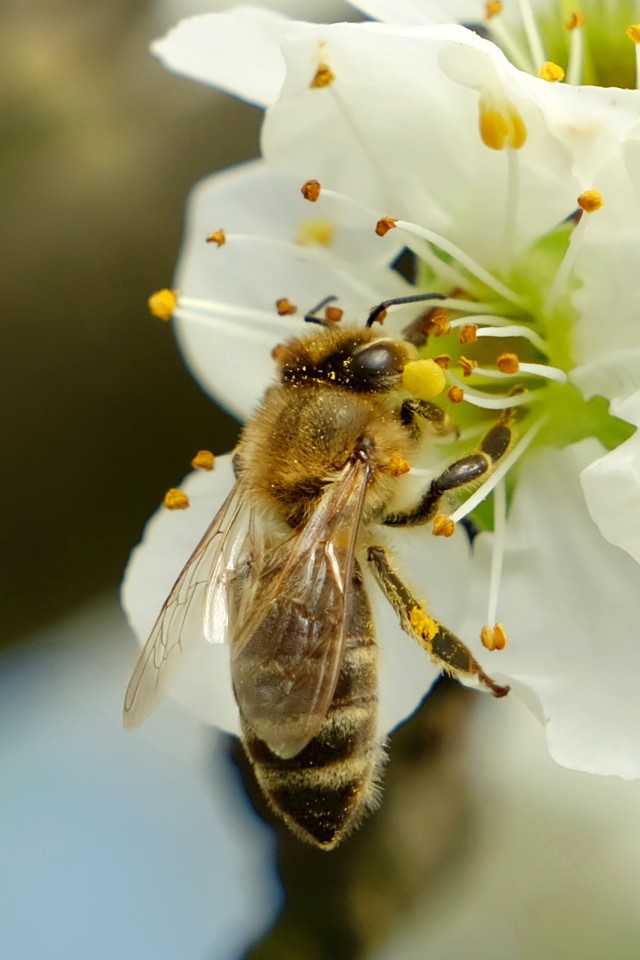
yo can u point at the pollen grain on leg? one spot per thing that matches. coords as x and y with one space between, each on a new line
424 625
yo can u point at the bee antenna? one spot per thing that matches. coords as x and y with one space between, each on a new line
396 301
311 316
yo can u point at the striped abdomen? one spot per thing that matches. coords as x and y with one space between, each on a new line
324 791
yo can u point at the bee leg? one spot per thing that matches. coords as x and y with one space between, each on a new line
494 445
445 649
440 423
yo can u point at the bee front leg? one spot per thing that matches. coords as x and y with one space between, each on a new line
494 445
445 649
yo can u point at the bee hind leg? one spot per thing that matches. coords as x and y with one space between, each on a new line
445 649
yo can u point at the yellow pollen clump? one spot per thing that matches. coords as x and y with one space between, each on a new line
575 20
468 333
316 233
494 638
443 360
424 625
175 499
384 225
333 314
456 394
443 526
590 201
423 378
633 32
398 465
468 366
163 303
551 72
324 77
218 237
311 190
508 363
203 460
492 9
285 308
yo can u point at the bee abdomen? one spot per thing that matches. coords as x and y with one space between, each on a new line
325 790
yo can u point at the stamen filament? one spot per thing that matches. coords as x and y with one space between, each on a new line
497 550
444 271
530 369
474 268
519 57
568 261
259 325
511 204
575 66
490 401
532 34
512 330
500 471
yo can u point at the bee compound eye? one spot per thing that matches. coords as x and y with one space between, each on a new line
377 360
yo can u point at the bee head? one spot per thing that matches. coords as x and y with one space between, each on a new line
356 360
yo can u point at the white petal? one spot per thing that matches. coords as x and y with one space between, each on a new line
203 684
423 11
229 348
238 51
571 606
397 131
611 485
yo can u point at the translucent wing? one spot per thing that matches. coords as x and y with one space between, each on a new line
197 606
288 641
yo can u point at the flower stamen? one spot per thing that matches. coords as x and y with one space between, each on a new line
575 65
590 201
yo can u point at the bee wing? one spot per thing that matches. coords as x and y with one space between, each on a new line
288 643
197 607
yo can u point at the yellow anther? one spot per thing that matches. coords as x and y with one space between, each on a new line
508 363
218 237
203 460
333 314
456 394
494 638
163 303
316 233
468 333
384 225
501 125
175 499
324 77
398 465
422 623
443 526
423 378
285 308
590 201
311 190
633 32
551 72
468 366
575 20
492 9
443 360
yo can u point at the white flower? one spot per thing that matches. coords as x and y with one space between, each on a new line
483 168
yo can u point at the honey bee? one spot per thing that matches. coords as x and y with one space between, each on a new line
279 574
